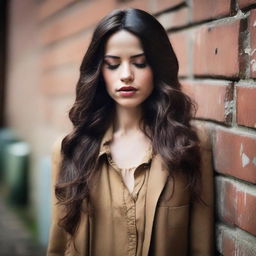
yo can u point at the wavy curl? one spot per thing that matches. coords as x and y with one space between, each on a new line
167 113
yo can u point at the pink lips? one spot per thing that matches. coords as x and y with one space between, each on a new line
127 91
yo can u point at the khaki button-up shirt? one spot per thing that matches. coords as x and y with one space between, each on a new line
165 225
118 212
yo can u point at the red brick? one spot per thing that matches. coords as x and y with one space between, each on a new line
245 3
228 244
22 31
245 248
226 202
236 204
160 5
61 81
217 8
252 30
235 242
246 105
49 7
179 42
246 208
55 112
215 53
213 99
140 4
86 15
235 154
68 52
174 19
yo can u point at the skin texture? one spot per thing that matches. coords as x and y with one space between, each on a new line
125 65
127 70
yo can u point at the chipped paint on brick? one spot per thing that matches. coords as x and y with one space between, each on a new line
245 160
253 51
253 65
254 161
247 50
241 149
228 108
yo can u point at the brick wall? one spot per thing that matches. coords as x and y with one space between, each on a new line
215 42
216 45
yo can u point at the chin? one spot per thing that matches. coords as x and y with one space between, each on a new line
129 103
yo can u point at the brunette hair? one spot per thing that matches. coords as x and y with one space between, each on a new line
166 113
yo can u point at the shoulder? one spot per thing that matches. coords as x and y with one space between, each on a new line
204 136
56 150
56 158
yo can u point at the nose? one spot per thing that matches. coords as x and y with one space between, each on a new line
126 75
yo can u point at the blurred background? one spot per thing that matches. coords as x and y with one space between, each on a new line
42 45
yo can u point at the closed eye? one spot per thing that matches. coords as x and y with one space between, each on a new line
140 65
115 66
111 66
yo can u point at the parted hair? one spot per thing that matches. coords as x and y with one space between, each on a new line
167 113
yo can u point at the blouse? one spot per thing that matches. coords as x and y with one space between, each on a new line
158 218
125 207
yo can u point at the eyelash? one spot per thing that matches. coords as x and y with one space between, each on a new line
138 65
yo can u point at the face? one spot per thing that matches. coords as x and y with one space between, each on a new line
127 75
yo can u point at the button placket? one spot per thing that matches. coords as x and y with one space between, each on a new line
131 225
129 202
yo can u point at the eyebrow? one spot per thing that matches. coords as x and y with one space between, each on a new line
132 57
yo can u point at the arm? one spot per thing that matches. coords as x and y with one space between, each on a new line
202 217
57 238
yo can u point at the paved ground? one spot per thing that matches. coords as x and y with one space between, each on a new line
15 240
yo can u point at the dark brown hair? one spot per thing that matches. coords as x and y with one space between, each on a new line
166 113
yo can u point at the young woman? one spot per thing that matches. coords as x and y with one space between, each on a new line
131 178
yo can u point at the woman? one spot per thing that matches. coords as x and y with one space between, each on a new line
129 179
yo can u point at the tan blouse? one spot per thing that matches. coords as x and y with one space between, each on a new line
124 209
149 221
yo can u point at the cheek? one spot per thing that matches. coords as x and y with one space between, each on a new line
147 79
106 76
108 79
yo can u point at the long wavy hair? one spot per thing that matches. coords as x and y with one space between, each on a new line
167 113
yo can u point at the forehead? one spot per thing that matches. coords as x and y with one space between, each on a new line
123 42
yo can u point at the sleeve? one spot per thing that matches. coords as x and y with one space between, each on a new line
57 237
202 215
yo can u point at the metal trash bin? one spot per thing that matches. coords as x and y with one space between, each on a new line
43 209
16 173
7 136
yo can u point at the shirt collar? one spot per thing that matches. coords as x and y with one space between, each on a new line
104 146
106 140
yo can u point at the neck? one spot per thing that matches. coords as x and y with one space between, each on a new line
127 119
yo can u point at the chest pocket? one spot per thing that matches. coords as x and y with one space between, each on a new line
172 217
178 217
175 193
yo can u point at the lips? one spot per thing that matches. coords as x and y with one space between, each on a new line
127 89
